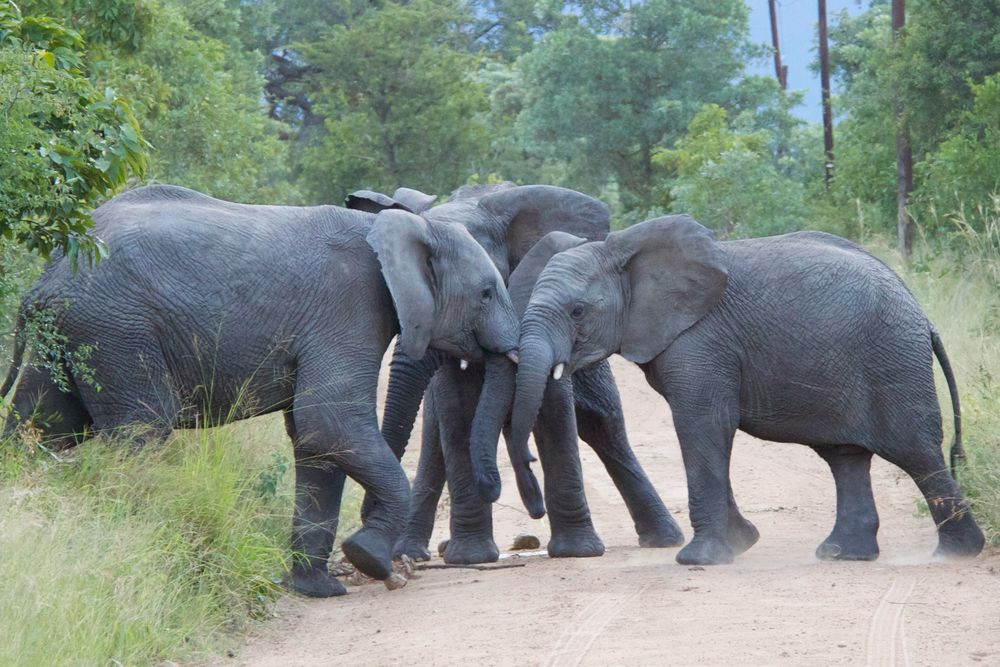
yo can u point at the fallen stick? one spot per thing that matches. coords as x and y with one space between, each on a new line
451 566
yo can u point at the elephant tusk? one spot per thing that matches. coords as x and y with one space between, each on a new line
558 371
512 355
463 364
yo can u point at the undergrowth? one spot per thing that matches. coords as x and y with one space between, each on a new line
112 556
957 281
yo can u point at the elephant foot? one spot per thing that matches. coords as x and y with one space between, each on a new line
315 582
369 551
706 551
471 550
964 543
742 534
664 533
846 545
414 547
579 543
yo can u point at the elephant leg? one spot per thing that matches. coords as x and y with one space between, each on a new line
427 487
135 400
706 441
319 492
455 400
741 533
855 531
601 425
337 428
59 416
958 534
573 534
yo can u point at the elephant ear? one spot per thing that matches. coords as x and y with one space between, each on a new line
370 201
532 211
522 280
414 200
403 244
676 273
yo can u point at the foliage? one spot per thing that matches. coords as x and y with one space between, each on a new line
398 111
199 102
943 63
114 558
66 144
603 94
725 179
963 174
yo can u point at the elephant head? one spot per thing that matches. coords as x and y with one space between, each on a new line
448 295
506 221
633 294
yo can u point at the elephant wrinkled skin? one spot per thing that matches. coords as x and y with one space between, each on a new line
800 338
207 310
466 409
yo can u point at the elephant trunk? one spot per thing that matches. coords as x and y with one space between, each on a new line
491 415
408 379
536 359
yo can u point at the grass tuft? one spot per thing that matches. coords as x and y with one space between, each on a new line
114 556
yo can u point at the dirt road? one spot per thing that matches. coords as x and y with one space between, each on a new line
776 605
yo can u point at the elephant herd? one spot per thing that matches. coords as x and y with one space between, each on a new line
507 302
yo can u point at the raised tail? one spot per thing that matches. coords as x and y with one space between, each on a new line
15 365
957 453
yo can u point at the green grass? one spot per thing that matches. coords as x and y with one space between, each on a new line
110 556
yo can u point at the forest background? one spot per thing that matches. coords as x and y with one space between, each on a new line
649 106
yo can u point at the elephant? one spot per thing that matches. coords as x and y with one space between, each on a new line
803 338
466 405
203 303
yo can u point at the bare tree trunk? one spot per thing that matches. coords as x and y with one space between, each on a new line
904 152
780 71
824 75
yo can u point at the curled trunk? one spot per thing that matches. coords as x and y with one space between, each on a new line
536 358
491 414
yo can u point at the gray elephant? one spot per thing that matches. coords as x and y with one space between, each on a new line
207 310
467 405
798 338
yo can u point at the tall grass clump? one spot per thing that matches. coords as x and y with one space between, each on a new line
115 556
957 281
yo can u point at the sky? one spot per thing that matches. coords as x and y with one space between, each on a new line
797 38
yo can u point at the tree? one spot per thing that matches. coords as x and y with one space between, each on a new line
603 94
724 177
949 49
401 104
66 145
904 153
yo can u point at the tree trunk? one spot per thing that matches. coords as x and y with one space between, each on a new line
824 75
780 71
904 151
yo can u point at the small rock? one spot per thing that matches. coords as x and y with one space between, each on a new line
696 568
442 545
394 581
525 541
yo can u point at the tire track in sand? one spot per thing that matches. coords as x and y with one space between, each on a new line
887 644
581 633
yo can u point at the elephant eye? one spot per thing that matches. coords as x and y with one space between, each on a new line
577 312
487 294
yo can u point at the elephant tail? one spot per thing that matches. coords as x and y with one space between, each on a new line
957 452
15 365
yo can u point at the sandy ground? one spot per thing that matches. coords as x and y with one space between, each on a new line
776 605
